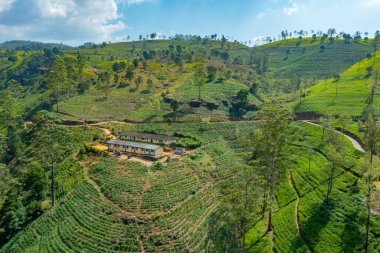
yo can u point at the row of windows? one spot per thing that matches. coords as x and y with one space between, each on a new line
134 149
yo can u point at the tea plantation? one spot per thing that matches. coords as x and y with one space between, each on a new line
126 207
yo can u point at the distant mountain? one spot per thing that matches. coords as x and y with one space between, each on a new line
24 45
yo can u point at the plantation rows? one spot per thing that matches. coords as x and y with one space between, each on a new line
308 60
134 189
186 227
173 184
334 227
82 223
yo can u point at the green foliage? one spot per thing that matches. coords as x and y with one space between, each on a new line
158 166
87 149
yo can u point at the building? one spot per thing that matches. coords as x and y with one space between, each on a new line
134 148
145 137
180 151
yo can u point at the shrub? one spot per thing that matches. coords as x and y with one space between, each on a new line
89 150
158 166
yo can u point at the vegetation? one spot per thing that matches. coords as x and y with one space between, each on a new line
258 175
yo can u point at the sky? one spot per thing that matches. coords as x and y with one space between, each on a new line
74 22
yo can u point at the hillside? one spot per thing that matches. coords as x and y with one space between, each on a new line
314 58
254 176
164 70
352 89
126 207
23 45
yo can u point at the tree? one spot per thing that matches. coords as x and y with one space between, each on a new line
153 36
199 77
105 79
9 107
130 75
331 32
174 105
136 63
149 83
35 182
371 136
13 143
57 78
116 78
223 41
270 149
335 155
12 213
52 145
9 117
81 63
241 201
371 141
376 41
138 82
254 88
211 73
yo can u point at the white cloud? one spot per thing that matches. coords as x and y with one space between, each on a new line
56 8
135 1
69 21
291 9
6 5
372 2
261 15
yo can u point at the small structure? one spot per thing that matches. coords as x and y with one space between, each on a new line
134 148
145 137
179 151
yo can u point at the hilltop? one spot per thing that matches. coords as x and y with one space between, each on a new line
164 71
24 45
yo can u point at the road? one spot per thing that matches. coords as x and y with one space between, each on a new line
354 142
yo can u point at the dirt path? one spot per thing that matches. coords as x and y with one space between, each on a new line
354 142
146 187
105 130
296 216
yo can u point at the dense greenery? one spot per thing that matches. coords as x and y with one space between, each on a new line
254 178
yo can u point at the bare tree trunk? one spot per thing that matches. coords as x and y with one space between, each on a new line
270 210
368 219
52 186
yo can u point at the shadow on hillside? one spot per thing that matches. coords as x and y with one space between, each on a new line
221 234
317 221
353 235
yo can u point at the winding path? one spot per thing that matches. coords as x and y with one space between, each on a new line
354 142
296 216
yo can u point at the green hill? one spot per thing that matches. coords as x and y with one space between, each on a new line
127 207
106 204
312 58
166 72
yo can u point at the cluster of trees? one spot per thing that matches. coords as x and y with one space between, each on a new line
65 77
331 34
23 184
22 45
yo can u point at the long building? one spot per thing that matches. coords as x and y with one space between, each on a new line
134 148
145 137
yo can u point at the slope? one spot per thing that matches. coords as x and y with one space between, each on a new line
313 58
348 94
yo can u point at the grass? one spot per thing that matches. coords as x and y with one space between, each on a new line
336 227
307 60
346 97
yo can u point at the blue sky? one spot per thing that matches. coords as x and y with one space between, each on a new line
77 21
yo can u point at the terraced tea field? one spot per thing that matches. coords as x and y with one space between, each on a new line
124 206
